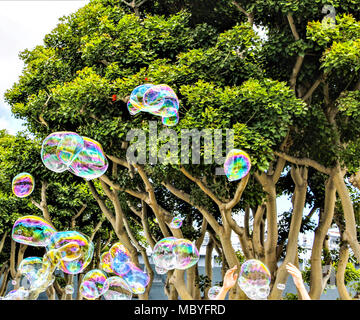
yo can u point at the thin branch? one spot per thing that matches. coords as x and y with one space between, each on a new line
78 214
313 88
304 162
250 16
238 193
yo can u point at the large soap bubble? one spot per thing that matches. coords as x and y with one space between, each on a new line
75 249
136 278
49 152
23 184
186 254
94 284
254 279
163 255
91 162
118 289
159 100
237 164
69 147
30 268
33 231
82 156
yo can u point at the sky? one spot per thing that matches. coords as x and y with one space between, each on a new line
23 25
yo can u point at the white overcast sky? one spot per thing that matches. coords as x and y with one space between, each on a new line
23 25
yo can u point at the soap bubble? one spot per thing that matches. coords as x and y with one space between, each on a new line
67 244
159 100
32 230
94 284
18 294
254 279
186 254
90 162
30 267
23 184
136 278
281 286
163 255
118 289
237 164
214 292
82 156
49 152
69 289
105 262
176 223
69 147
120 256
160 270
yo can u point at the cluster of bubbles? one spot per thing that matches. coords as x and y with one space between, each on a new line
69 251
128 279
254 279
159 100
81 156
173 253
237 164
23 184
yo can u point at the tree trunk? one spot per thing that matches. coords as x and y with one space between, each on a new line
326 217
340 283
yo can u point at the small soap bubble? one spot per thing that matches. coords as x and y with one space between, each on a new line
23 184
69 289
237 164
137 279
281 286
214 292
160 270
176 223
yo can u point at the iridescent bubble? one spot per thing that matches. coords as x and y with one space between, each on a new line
18 294
33 231
69 289
156 98
254 279
281 286
90 162
30 267
137 279
171 119
68 243
214 292
159 100
94 284
237 164
160 270
23 184
69 147
49 152
176 223
163 255
105 262
186 254
118 289
13 282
